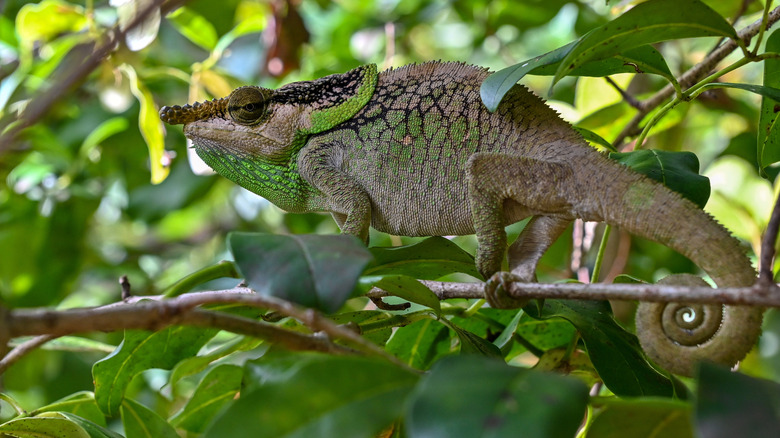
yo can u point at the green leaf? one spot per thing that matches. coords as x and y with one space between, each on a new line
495 86
733 404
218 387
141 422
546 334
47 20
71 343
150 125
315 395
311 270
615 353
646 23
768 128
420 343
194 27
194 365
472 396
594 138
677 170
429 259
643 418
641 59
409 289
503 340
770 92
48 425
94 430
81 403
473 344
140 351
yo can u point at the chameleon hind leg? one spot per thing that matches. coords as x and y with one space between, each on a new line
494 180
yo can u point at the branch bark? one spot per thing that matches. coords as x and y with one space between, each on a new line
693 75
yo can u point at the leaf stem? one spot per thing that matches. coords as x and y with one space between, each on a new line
594 277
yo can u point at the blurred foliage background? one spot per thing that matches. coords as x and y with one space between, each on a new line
82 202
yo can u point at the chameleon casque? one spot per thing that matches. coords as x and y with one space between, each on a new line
414 152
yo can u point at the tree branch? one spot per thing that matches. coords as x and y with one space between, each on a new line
768 246
41 103
694 74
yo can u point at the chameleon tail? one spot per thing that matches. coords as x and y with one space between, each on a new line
676 335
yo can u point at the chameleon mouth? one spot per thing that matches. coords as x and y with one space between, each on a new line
183 115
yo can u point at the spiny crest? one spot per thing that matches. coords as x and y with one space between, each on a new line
180 115
432 69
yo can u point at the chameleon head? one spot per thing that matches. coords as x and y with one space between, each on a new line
246 123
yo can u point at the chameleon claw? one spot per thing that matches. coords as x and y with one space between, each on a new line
496 288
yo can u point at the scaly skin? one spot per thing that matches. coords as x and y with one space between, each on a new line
414 152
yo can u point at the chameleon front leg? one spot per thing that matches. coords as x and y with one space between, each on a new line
493 180
341 194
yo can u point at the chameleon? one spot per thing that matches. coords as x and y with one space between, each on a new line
413 151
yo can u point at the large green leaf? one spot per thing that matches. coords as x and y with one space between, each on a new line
646 23
81 403
420 343
615 353
473 396
732 404
677 170
218 386
643 418
470 343
140 351
47 425
315 395
429 259
768 127
141 422
311 270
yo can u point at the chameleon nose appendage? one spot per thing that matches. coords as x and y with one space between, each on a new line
181 115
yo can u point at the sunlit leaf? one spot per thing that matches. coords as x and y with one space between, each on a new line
48 19
194 27
150 124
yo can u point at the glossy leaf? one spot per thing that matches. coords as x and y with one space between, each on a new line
311 270
218 386
768 126
420 343
643 418
313 395
472 396
140 351
194 27
43 427
677 170
141 422
410 289
733 404
150 125
80 403
429 259
646 23
615 353
93 430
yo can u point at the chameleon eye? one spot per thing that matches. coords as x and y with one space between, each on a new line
247 105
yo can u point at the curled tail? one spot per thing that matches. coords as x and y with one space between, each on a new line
678 335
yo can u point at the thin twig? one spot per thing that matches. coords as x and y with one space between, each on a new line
22 349
41 103
631 100
756 296
694 75
768 246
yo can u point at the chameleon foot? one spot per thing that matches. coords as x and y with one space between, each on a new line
496 291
